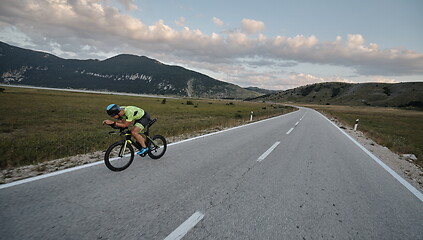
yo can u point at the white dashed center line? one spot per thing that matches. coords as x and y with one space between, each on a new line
185 227
265 154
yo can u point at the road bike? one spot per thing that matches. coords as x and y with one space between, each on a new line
120 155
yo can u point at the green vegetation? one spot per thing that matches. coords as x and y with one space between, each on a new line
397 129
40 125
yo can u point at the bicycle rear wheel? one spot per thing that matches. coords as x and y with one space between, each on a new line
158 148
119 156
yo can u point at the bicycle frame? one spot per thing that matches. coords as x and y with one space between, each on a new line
127 137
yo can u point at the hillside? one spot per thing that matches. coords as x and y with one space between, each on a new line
261 90
122 73
363 94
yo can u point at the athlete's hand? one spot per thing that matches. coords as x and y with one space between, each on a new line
107 122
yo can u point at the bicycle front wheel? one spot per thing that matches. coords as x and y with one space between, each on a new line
157 147
119 156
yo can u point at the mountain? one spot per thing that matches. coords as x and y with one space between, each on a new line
122 73
261 90
408 94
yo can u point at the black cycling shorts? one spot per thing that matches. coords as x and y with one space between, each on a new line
144 120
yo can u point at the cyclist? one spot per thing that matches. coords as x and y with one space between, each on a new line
127 115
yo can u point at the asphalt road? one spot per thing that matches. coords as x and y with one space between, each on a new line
292 177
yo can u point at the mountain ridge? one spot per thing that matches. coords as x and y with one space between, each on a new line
120 73
406 94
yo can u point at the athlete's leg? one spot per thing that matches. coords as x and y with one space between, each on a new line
136 133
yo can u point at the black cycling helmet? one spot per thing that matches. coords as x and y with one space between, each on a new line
113 110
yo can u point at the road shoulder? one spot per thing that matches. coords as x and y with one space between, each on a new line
401 165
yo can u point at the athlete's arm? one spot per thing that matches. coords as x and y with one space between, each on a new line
123 124
120 123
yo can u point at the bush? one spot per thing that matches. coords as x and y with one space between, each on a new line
416 104
387 91
335 92
190 103
307 90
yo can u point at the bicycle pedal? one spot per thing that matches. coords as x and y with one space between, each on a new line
143 155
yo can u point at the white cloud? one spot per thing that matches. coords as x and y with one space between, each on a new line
129 4
91 28
355 41
252 26
382 79
297 42
299 79
218 22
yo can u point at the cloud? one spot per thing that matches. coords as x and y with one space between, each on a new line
218 22
252 26
258 63
92 28
181 22
355 41
304 79
382 79
280 80
129 4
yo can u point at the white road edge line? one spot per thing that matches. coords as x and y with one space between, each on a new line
290 130
48 175
185 227
31 179
265 154
26 180
406 184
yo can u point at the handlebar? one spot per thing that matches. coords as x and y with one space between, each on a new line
122 130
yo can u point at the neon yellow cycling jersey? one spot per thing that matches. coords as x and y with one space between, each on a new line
132 113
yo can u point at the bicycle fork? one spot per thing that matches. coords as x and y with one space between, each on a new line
123 149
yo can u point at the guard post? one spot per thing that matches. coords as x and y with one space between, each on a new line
356 125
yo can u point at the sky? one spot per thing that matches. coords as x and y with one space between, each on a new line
271 44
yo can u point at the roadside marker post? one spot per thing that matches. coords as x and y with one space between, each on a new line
251 116
356 125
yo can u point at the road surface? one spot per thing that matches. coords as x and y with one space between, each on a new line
295 176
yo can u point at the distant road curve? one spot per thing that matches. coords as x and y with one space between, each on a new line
89 91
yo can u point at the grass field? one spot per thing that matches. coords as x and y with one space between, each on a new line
40 125
399 130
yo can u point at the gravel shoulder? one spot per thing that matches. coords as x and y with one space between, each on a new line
400 164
